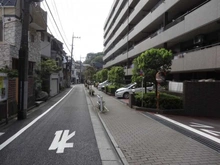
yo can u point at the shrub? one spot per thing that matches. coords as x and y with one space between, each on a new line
166 101
110 89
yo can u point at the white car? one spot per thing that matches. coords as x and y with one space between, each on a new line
102 85
124 91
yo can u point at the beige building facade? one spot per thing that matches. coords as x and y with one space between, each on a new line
190 29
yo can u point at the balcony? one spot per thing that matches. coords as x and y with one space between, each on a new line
39 18
203 58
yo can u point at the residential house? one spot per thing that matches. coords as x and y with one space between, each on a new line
10 39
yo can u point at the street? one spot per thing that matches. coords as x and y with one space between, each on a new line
59 135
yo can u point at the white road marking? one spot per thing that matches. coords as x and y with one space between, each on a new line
1 133
215 133
62 144
3 145
200 125
191 129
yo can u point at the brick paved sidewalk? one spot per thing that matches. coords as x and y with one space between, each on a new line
146 141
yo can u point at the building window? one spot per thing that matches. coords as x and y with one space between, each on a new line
15 64
48 39
42 36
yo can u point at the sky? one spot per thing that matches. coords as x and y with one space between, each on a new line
82 18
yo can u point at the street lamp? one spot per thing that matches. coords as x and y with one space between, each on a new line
23 61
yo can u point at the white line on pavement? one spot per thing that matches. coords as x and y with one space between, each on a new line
1 133
191 129
3 145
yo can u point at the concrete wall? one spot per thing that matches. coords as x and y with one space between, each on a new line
202 99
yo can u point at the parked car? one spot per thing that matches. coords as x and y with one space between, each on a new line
124 91
102 85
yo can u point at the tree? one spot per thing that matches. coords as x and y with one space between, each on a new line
149 63
102 75
94 57
116 75
98 59
88 73
45 69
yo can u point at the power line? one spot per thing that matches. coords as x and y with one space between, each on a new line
56 25
48 20
59 20
48 29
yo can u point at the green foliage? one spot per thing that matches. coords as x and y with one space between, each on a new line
89 73
150 62
94 57
101 75
48 67
116 75
98 59
11 72
166 101
45 69
111 89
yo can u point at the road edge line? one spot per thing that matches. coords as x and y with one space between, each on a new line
8 141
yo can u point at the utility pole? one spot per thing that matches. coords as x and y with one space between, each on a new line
23 61
72 56
81 69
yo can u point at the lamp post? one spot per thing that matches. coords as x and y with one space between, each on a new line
23 61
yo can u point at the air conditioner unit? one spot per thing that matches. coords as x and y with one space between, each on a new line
198 39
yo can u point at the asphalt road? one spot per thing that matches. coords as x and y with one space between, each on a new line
50 136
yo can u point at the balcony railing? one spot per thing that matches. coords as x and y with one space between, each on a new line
181 54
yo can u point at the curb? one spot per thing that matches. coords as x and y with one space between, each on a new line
118 150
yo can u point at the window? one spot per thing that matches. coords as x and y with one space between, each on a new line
48 38
15 63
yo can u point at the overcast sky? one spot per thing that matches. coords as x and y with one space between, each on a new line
84 18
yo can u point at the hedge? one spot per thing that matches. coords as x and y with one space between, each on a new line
166 101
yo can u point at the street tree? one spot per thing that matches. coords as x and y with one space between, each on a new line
116 75
89 74
102 75
149 63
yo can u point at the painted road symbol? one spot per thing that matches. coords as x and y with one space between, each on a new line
1 133
60 143
201 126
215 133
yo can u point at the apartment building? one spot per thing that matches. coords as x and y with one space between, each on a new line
190 28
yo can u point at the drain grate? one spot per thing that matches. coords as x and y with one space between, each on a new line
207 142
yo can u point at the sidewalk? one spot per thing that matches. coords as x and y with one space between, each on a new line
142 140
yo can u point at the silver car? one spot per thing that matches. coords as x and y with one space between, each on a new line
102 85
124 91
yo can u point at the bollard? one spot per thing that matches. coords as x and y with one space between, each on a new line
100 102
